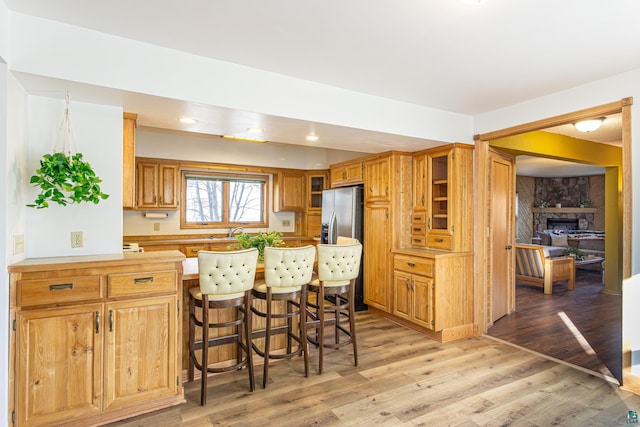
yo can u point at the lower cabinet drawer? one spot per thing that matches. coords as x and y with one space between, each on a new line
418 241
58 291
141 283
439 242
413 265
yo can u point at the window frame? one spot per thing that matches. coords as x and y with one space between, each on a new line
231 176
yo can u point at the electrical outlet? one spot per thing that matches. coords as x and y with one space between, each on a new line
286 223
156 226
76 239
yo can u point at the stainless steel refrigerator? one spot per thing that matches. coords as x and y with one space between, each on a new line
342 215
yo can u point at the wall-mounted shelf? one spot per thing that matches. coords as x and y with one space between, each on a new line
565 210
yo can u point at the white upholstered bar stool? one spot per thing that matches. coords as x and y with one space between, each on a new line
338 268
226 280
287 271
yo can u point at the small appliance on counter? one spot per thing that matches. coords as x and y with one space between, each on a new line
131 247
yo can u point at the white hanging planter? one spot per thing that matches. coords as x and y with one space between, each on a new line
63 177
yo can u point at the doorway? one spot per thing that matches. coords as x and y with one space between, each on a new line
619 210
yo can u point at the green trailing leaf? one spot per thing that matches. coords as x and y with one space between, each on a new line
65 180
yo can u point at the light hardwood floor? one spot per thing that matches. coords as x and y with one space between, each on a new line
405 378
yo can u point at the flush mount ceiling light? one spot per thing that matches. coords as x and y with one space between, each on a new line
242 138
312 138
187 120
589 125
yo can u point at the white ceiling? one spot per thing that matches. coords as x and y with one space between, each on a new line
443 54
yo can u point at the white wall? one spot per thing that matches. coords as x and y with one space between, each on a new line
48 48
596 93
98 134
4 282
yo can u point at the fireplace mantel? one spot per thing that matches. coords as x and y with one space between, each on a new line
564 210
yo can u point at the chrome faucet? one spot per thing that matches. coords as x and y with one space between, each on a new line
233 231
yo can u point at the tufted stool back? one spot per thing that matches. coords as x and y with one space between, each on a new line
288 267
227 273
339 262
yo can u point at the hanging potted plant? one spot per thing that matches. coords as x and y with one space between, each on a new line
63 177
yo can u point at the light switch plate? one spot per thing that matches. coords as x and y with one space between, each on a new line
18 244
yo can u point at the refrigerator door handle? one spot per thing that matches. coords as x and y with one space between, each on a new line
331 235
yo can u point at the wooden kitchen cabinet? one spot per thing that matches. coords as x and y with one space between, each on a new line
413 290
377 180
377 240
96 339
347 173
289 193
445 175
156 185
433 292
129 160
419 178
316 183
133 373
58 371
386 226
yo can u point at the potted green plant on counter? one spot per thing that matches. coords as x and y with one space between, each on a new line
260 241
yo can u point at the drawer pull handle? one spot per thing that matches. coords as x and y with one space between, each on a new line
411 264
143 280
439 240
195 251
61 286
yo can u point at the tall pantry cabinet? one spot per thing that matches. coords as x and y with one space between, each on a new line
433 278
387 195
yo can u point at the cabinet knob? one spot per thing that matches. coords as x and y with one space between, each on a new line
411 264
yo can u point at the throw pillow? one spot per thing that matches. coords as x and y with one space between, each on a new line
545 238
559 240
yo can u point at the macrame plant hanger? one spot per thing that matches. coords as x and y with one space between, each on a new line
66 139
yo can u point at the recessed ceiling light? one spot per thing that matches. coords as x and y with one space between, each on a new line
242 138
472 1
312 138
187 120
255 130
589 125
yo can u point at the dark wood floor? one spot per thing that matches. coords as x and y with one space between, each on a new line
582 327
405 378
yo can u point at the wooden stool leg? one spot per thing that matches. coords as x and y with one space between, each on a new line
303 329
267 341
247 334
321 317
192 336
205 349
352 320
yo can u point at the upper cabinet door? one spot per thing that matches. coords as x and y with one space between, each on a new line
378 180
289 191
157 185
419 183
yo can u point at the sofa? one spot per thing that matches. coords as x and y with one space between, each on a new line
556 242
